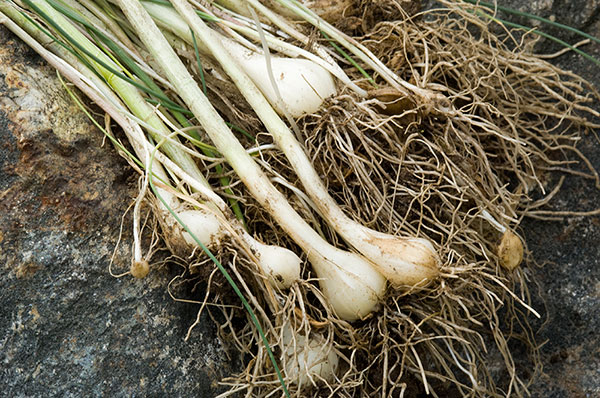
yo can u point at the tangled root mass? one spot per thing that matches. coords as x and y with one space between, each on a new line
405 167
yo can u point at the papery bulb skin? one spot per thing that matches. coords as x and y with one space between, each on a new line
403 261
308 358
204 225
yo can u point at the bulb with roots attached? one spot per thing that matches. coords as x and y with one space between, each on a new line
280 265
403 261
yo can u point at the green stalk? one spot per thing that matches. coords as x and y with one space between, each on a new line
118 52
110 23
128 93
92 54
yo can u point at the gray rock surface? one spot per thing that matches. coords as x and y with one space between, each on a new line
67 328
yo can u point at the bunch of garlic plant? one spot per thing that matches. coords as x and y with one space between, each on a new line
286 86
404 261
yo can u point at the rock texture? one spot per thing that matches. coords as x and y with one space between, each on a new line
67 328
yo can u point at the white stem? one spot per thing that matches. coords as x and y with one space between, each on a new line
318 250
404 261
